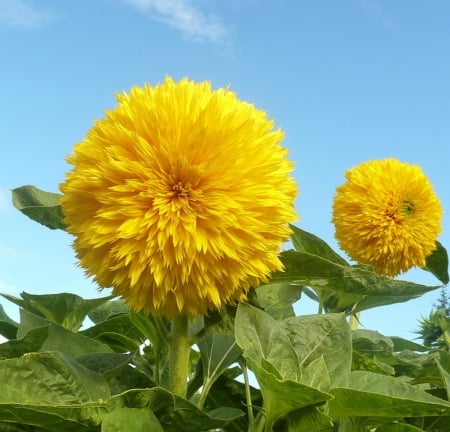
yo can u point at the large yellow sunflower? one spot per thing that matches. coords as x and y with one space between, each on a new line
387 215
180 198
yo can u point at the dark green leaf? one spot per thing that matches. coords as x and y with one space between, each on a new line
118 342
8 327
437 263
309 419
398 427
66 309
107 310
31 342
43 207
343 287
120 323
152 328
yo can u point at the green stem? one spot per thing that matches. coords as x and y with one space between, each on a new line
179 351
204 393
248 395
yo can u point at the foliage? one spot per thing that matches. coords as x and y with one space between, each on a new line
96 366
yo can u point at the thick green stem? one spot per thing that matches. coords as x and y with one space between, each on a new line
179 350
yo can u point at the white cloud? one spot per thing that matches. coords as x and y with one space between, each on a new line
21 14
185 16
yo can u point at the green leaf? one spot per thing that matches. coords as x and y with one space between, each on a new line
153 328
117 369
120 323
107 310
398 427
381 396
174 412
43 207
309 419
283 396
66 309
217 351
437 263
304 241
31 342
262 337
321 336
51 378
343 287
131 419
8 327
277 299
401 344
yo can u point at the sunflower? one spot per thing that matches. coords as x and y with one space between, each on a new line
180 198
387 215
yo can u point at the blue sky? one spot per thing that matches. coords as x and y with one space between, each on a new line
347 81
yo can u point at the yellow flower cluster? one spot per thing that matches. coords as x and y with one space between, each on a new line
387 215
180 198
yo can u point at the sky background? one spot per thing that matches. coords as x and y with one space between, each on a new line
347 80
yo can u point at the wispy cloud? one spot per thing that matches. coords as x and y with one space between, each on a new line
185 16
22 14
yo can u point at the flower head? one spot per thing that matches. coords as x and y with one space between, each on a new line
180 198
387 215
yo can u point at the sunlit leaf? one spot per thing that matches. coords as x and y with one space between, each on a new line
131 419
304 241
40 206
382 396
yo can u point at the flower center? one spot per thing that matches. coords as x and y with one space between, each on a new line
408 208
182 189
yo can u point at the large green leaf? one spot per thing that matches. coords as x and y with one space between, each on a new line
174 412
39 334
131 419
304 241
52 378
66 309
272 357
321 336
262 337
437 263
283 396
344 287
277 299
381 396
43 207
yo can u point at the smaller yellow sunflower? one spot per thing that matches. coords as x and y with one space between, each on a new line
387 215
